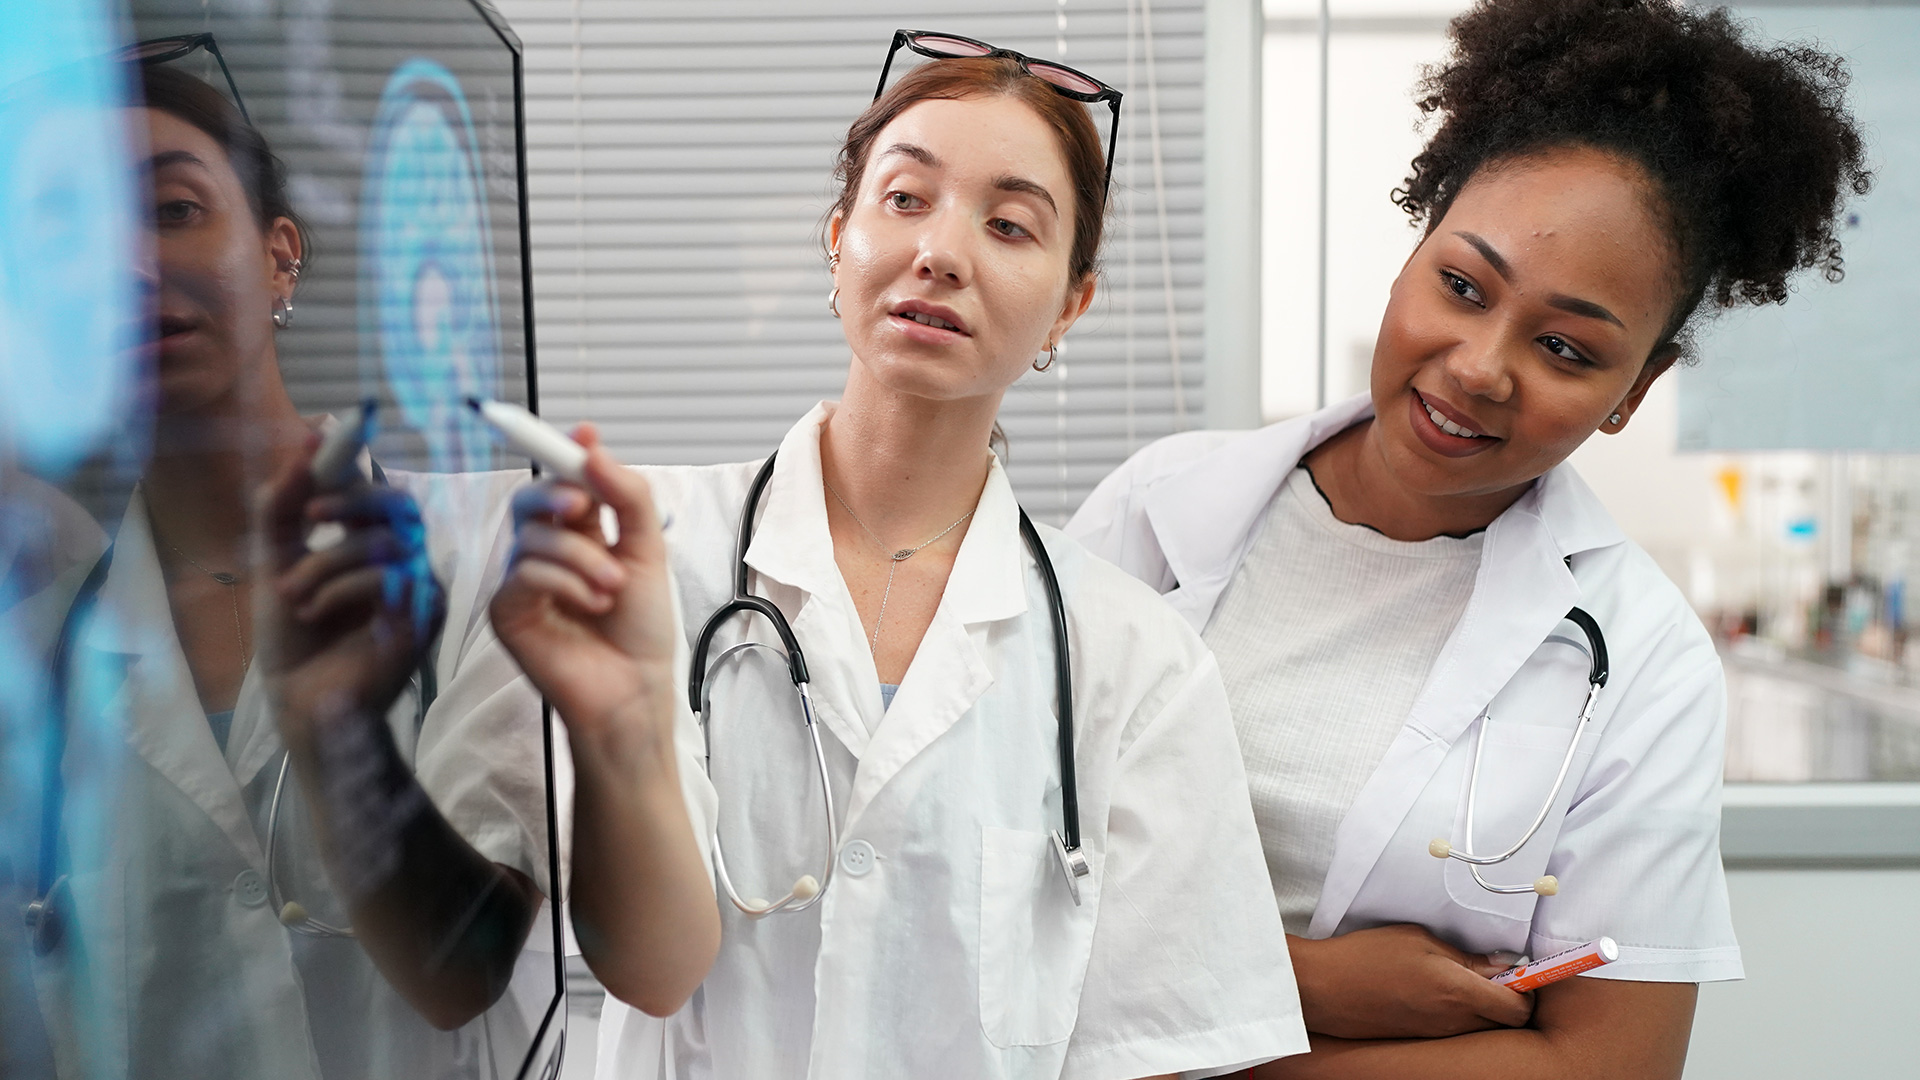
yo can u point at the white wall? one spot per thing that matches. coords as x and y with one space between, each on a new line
1830 988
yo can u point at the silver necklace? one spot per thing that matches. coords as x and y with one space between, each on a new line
894 558
232 582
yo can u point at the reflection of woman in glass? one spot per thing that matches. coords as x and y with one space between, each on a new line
201 970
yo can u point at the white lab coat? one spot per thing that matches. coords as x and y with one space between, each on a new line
1634 838
955 950
175 963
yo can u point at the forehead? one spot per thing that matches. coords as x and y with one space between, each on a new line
167 134
1577 221
981 136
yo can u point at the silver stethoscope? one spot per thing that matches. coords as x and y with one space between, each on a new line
808 890
43 914
1547 885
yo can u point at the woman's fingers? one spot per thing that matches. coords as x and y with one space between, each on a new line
551 500
536 578
1495 1002
579 554
278 508
628 493
355 590
366 546
362 505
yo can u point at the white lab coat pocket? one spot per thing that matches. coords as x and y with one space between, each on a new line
1517 768
1034 943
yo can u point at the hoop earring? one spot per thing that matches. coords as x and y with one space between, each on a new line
282 312
1053 353
833 301
833 260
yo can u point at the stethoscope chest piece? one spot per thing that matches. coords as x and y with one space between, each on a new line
46 926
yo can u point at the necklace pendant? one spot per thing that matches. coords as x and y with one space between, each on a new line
226 579
903 554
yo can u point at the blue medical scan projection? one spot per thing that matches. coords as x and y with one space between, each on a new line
71 331
1832 368
427 284
182 892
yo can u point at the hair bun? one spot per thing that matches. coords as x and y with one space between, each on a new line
1751 146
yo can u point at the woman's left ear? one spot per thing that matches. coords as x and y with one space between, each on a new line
1656 366
285 248
1079 299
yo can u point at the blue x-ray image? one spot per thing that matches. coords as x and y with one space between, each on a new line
429 322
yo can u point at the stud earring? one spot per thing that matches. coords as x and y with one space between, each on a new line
1614 419
1053 354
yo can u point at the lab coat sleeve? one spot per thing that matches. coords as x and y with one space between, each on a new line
1189 969
1647 823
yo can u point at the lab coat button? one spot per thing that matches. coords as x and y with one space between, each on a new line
856 858
249 889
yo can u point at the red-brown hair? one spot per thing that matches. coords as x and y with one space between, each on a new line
957 79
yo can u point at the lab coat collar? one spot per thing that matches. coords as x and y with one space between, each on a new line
158 702
1205 514
950 671
793 545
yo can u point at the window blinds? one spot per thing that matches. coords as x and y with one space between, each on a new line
680 156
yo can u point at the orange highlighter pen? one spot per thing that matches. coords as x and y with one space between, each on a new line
1561 965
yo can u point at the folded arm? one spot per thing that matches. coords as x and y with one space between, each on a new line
1604 1029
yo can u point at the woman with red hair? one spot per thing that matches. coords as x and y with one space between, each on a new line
958 929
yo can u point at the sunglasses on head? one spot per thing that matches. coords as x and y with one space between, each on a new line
1077 85
165 50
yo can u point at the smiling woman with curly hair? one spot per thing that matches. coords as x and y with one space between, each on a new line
1411 589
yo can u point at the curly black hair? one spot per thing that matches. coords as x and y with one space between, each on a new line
1751 149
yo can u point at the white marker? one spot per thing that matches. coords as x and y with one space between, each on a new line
534 437
1560 965
337 463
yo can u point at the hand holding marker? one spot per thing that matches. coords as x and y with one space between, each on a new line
336 467
547 445
1561 965
337 463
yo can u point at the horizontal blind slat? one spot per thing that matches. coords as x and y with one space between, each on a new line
679 159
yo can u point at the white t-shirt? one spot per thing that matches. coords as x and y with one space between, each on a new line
1325 636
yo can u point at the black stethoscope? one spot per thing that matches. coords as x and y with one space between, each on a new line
807 890
1547 885
45 926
